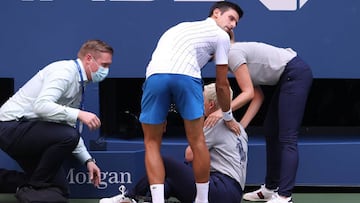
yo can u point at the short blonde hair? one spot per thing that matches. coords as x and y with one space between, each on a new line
210 93
93 47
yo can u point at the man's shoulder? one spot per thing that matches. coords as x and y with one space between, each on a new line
62 64
219 126
61 68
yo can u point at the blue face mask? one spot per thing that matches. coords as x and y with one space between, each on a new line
100 74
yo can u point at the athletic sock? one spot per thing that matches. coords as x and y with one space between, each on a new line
157 193
202 192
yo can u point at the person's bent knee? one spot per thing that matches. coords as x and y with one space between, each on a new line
71 136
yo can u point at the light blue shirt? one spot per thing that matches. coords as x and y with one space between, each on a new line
53 94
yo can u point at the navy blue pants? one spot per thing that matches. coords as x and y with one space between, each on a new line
39 148
282 125
180 183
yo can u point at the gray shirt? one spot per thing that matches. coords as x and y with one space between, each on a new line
266 63
228 152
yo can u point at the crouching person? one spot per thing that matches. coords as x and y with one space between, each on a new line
38 123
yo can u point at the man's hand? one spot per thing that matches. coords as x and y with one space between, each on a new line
213 118
94 173
234 126
89 119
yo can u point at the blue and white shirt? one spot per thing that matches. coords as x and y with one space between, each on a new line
187 47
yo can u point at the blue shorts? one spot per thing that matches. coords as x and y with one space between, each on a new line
161 90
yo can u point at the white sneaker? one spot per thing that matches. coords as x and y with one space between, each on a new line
121 198
263 194
277 199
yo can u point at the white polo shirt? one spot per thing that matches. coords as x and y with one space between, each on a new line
187 47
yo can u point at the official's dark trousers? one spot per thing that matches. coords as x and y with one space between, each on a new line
180 183
39 148
282 125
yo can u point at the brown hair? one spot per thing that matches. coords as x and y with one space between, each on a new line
94 46
224 6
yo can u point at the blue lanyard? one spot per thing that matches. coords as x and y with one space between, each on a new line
82 85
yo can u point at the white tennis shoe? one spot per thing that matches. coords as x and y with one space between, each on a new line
277 199
121 198
261 195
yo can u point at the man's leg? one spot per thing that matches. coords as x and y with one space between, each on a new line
153 161
224 189
141 188
201 161
11 179
180 180
41 149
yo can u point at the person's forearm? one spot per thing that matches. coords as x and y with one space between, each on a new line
245 84
223 87
253 108
241 100
223 95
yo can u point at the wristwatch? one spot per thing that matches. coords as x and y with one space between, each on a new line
90 160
